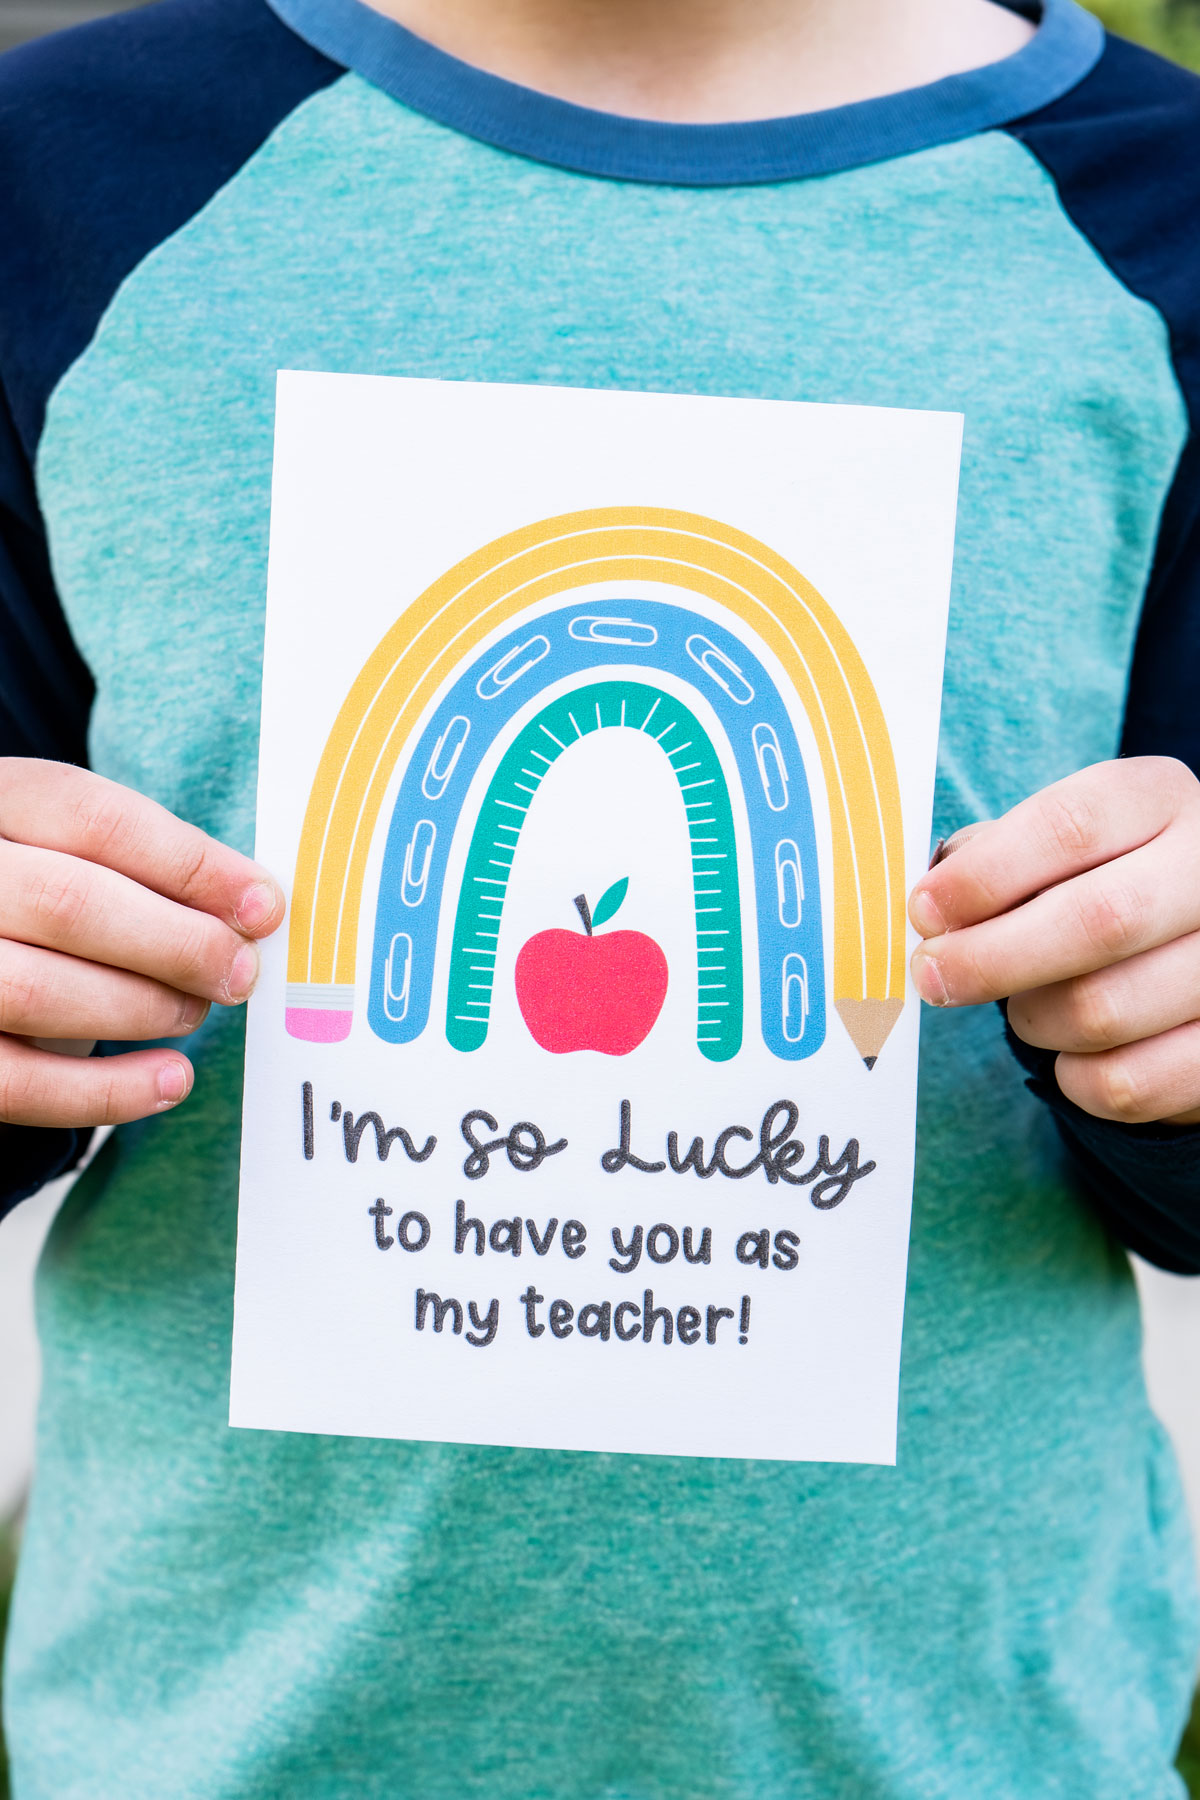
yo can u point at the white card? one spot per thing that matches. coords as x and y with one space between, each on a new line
598 746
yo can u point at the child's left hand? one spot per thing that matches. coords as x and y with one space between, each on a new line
1082 905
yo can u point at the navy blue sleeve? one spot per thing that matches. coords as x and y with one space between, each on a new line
1143 1180
45 689
111 138
1123 149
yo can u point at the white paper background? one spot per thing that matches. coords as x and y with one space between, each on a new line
380 486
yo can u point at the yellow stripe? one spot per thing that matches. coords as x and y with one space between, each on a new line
441 629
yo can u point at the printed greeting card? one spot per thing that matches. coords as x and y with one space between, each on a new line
598 746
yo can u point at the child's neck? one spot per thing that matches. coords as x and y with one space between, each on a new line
704 61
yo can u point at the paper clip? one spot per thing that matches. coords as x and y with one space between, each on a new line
444 760
395 998
590 628
772 770
418 857
795 998
721 669
500 676
789 883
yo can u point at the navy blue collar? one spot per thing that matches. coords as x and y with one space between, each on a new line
1066 45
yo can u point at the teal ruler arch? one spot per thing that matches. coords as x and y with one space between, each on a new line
704 795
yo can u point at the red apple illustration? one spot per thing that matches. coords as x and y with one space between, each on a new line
592 993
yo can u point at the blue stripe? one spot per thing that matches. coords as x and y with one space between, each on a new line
776 818
1065 47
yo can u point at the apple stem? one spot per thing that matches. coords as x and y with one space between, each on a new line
585 912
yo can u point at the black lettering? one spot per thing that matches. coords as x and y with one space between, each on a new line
525 1145
595 1320
631 1251
613 1161
462 1225
561 1314
754 1247
704 1253
688 1325
574 1239
635 1312
530 1156
693 1160
335 1111
422 1225
672 1249
787 1253
715 1315
352 1131
479 1161
442 1310
505 1237
719 1162
744 1326
487 1326
531 1300
779 1155
840 1175
306 1120
379 1212
777 1150
786 1158
652 1313
543 1243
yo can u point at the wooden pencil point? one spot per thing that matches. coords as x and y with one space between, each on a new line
869 1023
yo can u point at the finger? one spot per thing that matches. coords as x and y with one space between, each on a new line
39 1088
1154 1081
1102 917
60 903
59 807
46 995
1075 825
1128 1001
947 846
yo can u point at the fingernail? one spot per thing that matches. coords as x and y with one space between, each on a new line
192 1013
173 1083
925 913
928 978
257 904
243 974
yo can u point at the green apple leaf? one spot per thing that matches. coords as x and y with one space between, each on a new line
610 900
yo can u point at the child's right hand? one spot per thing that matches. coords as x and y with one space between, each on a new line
117 920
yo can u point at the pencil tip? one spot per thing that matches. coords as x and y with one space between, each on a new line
869 1022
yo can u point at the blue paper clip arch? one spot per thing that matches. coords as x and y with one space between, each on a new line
570 643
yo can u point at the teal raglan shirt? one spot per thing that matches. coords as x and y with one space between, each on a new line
232 1615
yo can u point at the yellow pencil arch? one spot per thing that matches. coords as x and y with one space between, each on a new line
614 544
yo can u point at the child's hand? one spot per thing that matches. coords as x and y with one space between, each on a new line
1083 905
116 921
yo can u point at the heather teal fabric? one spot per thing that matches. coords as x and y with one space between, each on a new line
219 1614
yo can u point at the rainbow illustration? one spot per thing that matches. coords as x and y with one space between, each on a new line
603 659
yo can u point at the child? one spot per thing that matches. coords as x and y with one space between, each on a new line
934 203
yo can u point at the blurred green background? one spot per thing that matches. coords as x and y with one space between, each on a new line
1171 27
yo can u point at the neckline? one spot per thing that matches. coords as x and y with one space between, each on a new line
1065 47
